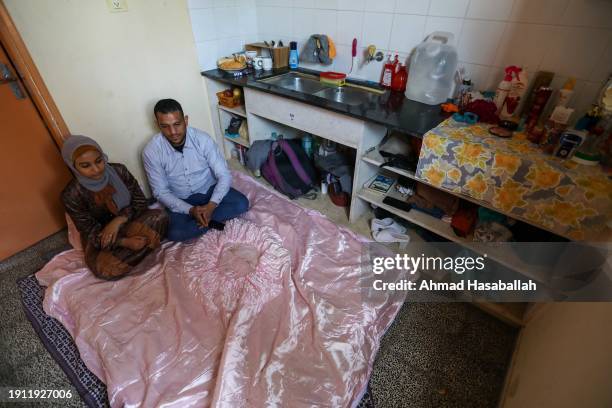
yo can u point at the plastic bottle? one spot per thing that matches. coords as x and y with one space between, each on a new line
539 102
398 83
293 55
464 92
589 152
307 145
518 86
387 73
432 69
502 90
565 93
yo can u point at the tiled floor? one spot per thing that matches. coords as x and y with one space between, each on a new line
434 355
24 362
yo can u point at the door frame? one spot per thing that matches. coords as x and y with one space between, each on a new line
28 73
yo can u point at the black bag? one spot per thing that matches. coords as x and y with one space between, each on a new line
289 169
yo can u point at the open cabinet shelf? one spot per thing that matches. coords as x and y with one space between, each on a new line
238 140
374 158
237 110
501 254
511 313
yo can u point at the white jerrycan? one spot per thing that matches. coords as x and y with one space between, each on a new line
432 69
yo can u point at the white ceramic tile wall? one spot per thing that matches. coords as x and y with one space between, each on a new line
568 37
221 27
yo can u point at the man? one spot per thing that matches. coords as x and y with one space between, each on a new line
189 175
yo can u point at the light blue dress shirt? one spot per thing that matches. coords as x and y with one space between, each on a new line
174 176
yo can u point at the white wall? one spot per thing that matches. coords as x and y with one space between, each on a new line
564 359
106 70
568 37
221 27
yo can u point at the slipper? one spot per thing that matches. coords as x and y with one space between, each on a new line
388 235
384 223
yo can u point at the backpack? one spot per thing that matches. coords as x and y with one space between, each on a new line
289 170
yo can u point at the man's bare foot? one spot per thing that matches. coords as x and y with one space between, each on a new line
134 243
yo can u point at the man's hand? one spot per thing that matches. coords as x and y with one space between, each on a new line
108 235
203 213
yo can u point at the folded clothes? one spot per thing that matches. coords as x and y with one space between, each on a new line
427 197
433 211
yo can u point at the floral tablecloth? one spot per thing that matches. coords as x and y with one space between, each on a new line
515 177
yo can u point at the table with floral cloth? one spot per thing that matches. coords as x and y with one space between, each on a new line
517 178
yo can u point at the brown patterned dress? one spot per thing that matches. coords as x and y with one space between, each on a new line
90 218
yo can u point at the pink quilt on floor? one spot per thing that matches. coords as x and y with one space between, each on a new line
267 313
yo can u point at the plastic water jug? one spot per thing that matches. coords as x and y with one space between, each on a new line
432 69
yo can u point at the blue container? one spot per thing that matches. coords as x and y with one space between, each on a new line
293 55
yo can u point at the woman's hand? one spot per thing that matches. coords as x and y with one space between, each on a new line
108 235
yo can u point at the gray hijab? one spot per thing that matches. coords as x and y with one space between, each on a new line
122 196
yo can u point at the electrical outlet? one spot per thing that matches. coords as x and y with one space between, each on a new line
117 5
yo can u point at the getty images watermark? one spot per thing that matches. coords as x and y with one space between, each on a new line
458 265
499 272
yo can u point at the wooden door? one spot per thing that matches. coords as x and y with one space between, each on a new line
32 172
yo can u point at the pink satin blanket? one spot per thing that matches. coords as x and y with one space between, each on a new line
267 313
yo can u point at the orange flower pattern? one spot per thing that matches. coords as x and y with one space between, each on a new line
563 191
434 145
566 212
543 176
434 175
505 164
595 187
477 186
454 175
471 154
509 196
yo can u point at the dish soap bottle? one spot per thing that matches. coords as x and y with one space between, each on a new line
293 55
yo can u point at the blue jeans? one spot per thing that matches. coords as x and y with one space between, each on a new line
183 226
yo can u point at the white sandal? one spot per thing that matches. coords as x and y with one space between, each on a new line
386 223
388 235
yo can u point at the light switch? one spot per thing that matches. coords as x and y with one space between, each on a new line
117 5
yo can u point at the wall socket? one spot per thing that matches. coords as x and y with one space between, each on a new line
117 5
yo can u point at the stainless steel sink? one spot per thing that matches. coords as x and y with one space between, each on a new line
345 94
295 82
310 84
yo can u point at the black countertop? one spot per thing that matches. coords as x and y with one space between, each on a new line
390 109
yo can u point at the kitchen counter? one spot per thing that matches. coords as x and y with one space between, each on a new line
390 109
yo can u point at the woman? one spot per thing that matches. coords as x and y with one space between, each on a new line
109 209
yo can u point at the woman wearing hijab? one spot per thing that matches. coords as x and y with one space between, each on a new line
109 209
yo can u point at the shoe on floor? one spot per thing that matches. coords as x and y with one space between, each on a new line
389 235
386 223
